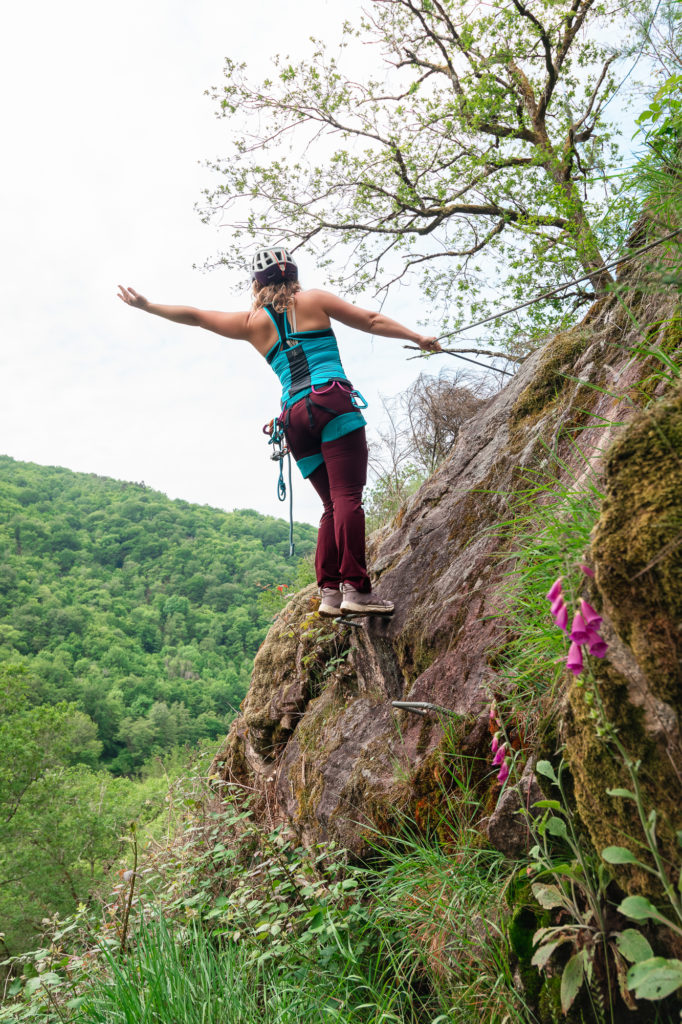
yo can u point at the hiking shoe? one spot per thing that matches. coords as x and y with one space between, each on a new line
330 603
356 603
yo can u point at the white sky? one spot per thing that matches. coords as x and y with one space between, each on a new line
105 125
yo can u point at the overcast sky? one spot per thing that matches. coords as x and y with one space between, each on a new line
104 135
105 128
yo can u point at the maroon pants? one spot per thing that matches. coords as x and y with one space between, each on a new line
339 480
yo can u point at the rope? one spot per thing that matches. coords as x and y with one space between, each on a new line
291 509
555 291
275 431
538 298
457 355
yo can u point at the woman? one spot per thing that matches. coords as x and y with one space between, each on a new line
324 429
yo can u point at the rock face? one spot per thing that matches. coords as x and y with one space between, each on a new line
318 735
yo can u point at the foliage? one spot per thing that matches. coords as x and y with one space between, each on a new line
387 493
235 922
575 888
142 612
128 624
475 154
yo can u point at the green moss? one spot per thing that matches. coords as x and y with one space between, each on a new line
637 551
638 545
549 379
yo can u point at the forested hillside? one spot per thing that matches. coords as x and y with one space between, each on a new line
128 625
144 612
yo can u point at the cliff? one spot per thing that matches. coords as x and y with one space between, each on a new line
318 737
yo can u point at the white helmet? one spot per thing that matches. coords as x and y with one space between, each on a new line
271 266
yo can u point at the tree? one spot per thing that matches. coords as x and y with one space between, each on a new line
484 133
421 429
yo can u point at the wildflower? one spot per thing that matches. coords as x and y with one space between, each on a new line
588 572
578 629
557 605
492 714
592 618
561 618
499 756
495 743
554 590
503 773
574 662
596 644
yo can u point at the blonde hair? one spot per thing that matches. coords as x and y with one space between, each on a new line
277 295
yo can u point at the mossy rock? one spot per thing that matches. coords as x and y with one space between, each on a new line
637 553
638 545
549 380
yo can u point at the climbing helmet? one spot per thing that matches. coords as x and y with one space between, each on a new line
271 266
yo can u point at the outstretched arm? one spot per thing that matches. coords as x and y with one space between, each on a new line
230 325
372 322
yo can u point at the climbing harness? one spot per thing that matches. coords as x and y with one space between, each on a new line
275 431
358 400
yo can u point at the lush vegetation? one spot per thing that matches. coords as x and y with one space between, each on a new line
473 151
128 625
143 613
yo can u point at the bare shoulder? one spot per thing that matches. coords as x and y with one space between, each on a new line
340 309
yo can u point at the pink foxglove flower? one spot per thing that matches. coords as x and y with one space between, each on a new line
557 605
503 773
554 591
588 572
578 629
499 756
596 644
495 743
574 662
561 618
592 618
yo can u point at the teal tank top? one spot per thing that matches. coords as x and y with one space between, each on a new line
303 359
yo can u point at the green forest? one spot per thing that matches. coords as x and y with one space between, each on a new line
128 626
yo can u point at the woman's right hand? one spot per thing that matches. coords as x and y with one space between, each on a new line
132 298
429 344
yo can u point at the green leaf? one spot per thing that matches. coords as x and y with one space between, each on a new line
618 855
655 978
553 805
633 946
626 794
317 922
557 827
548 896
545 768
544 952
571 980
638 908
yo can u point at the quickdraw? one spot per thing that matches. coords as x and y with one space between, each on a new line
275 431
